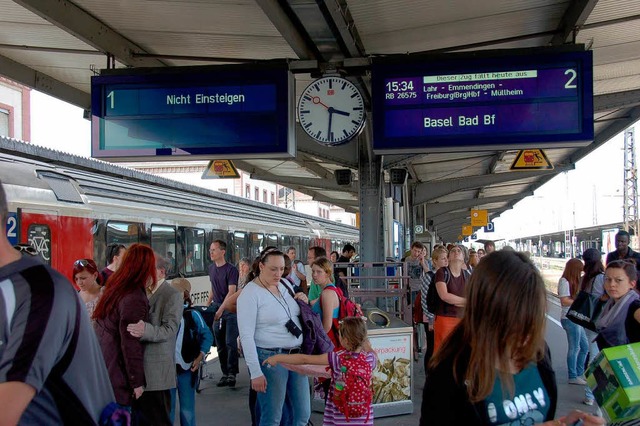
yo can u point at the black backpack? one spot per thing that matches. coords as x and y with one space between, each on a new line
190 344
433 299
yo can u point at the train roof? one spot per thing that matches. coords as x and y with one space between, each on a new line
33 165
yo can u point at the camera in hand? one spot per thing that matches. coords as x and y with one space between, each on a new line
293 328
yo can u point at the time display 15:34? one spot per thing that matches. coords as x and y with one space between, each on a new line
401 89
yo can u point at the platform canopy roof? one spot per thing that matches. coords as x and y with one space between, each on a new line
55 46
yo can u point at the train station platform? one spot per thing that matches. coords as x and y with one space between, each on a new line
226 406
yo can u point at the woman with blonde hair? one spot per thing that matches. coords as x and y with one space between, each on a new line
578 346
496 356
328 305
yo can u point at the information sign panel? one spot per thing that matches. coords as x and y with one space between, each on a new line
483 102
12 228
192 113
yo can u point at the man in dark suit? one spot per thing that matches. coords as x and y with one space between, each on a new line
159 336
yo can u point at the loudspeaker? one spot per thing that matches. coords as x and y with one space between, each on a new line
343 176
398 176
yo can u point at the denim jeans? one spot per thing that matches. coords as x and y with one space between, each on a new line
593 352
225 332
578 348
281 384
187 394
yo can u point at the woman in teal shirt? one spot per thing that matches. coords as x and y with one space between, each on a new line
328 306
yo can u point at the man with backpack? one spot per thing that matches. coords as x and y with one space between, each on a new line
192 344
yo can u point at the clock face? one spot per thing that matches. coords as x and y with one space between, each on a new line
331 110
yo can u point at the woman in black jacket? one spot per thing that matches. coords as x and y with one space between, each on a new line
494 368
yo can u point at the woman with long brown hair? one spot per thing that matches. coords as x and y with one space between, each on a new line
496 356
125 302
577 344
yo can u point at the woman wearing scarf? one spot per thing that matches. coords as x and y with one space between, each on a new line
619 323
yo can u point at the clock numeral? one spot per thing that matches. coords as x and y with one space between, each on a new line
331 137
306 111
307 97
317 87
308 125
330 84
344 85
345 133
354 95
318 134
354 122
357 108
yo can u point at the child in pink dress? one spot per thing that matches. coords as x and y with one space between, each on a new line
347 387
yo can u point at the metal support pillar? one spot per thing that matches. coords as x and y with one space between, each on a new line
630 216
371 209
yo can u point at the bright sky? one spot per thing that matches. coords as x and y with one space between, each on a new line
590 194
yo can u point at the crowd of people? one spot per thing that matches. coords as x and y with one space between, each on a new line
483 313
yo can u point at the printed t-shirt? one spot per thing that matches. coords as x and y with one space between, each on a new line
529 404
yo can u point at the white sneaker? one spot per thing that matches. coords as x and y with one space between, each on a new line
588 401
577 381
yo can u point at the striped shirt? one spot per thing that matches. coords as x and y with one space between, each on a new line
38 312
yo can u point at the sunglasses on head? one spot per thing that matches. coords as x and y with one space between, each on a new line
82 263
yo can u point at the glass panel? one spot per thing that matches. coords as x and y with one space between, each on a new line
39 237
193 251
163 241
240 243
123 233
257 245
272 240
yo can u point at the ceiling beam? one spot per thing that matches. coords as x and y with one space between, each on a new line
251 169
450 219
436 209
427 191
297 40
82 25
44 83
574 17
325 184
609 101
303 160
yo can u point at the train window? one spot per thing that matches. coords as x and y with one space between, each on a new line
272 240
286 243
193 251
257 245
126 233
240 246
39 237
163 241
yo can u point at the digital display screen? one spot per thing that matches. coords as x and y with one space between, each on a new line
483 103
193 113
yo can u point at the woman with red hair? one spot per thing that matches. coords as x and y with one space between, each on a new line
87 278
125 302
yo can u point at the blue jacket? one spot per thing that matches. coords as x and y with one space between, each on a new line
205 337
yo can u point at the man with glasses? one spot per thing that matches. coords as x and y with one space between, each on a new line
224 282
47 345
623 251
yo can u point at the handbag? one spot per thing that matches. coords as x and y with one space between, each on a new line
585 310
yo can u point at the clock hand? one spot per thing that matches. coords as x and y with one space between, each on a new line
330 119
316 100
337 111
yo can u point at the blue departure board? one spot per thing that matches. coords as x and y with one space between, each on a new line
192 113
475 102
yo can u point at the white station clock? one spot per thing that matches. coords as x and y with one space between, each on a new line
331 110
